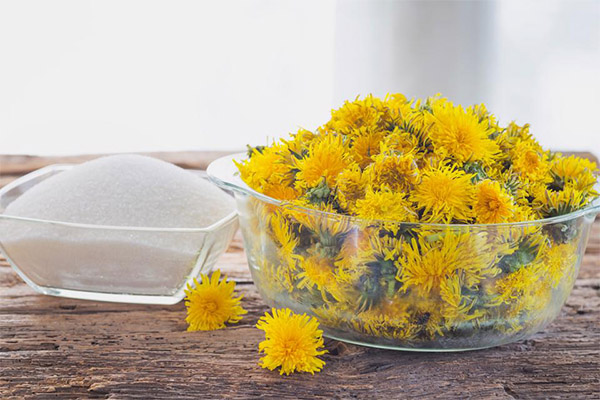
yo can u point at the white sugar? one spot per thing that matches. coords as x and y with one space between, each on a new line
125 190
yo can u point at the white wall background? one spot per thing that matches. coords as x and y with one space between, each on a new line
87 76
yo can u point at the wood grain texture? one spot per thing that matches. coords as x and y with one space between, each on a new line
61 348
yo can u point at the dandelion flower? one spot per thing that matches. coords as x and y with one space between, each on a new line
398 106
400 140
211 304
265 166
551 203
445 194
418 120
292 342
559 259
492 203
280 192
354 115
574 170
512 288
457 308
397 172
365 146
425 266
326 159
530 162
285 239
480 110
384 205
318 272
459 133
351 186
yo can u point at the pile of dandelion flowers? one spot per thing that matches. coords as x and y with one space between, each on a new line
211 304
292 342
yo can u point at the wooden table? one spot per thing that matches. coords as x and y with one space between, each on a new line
61 348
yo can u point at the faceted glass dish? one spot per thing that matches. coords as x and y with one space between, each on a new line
409 286
108 263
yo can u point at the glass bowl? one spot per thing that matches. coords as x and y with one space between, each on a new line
409 286
107 263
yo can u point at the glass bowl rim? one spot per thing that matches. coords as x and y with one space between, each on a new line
224 180
60 167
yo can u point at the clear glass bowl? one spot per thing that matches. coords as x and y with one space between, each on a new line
107 263
409 286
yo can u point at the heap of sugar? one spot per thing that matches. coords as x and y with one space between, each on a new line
125 190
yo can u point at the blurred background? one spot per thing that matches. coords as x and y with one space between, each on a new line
105 76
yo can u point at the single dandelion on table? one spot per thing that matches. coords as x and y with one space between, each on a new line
211 303
292 342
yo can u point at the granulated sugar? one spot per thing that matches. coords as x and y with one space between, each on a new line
125 190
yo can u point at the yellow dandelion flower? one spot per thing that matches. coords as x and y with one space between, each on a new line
492 203
390 320
457 309
524 292
511 135
428 262
326 159
292 342
354 253
459 134
357 114
300 142
557 261
366 145
398 106
365 262
551 203
397 172
400 140
530 162
576 171
285 240
322 225
265 167
274 278
481 111
351 186
523 214
211 303
318 273
385 205
445 194
477 262
425 266
426 315
511 288
418 121
333 314
317 223
280 192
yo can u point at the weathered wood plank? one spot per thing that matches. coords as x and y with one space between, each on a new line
64 348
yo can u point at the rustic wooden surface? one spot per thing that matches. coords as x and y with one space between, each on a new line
61 348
